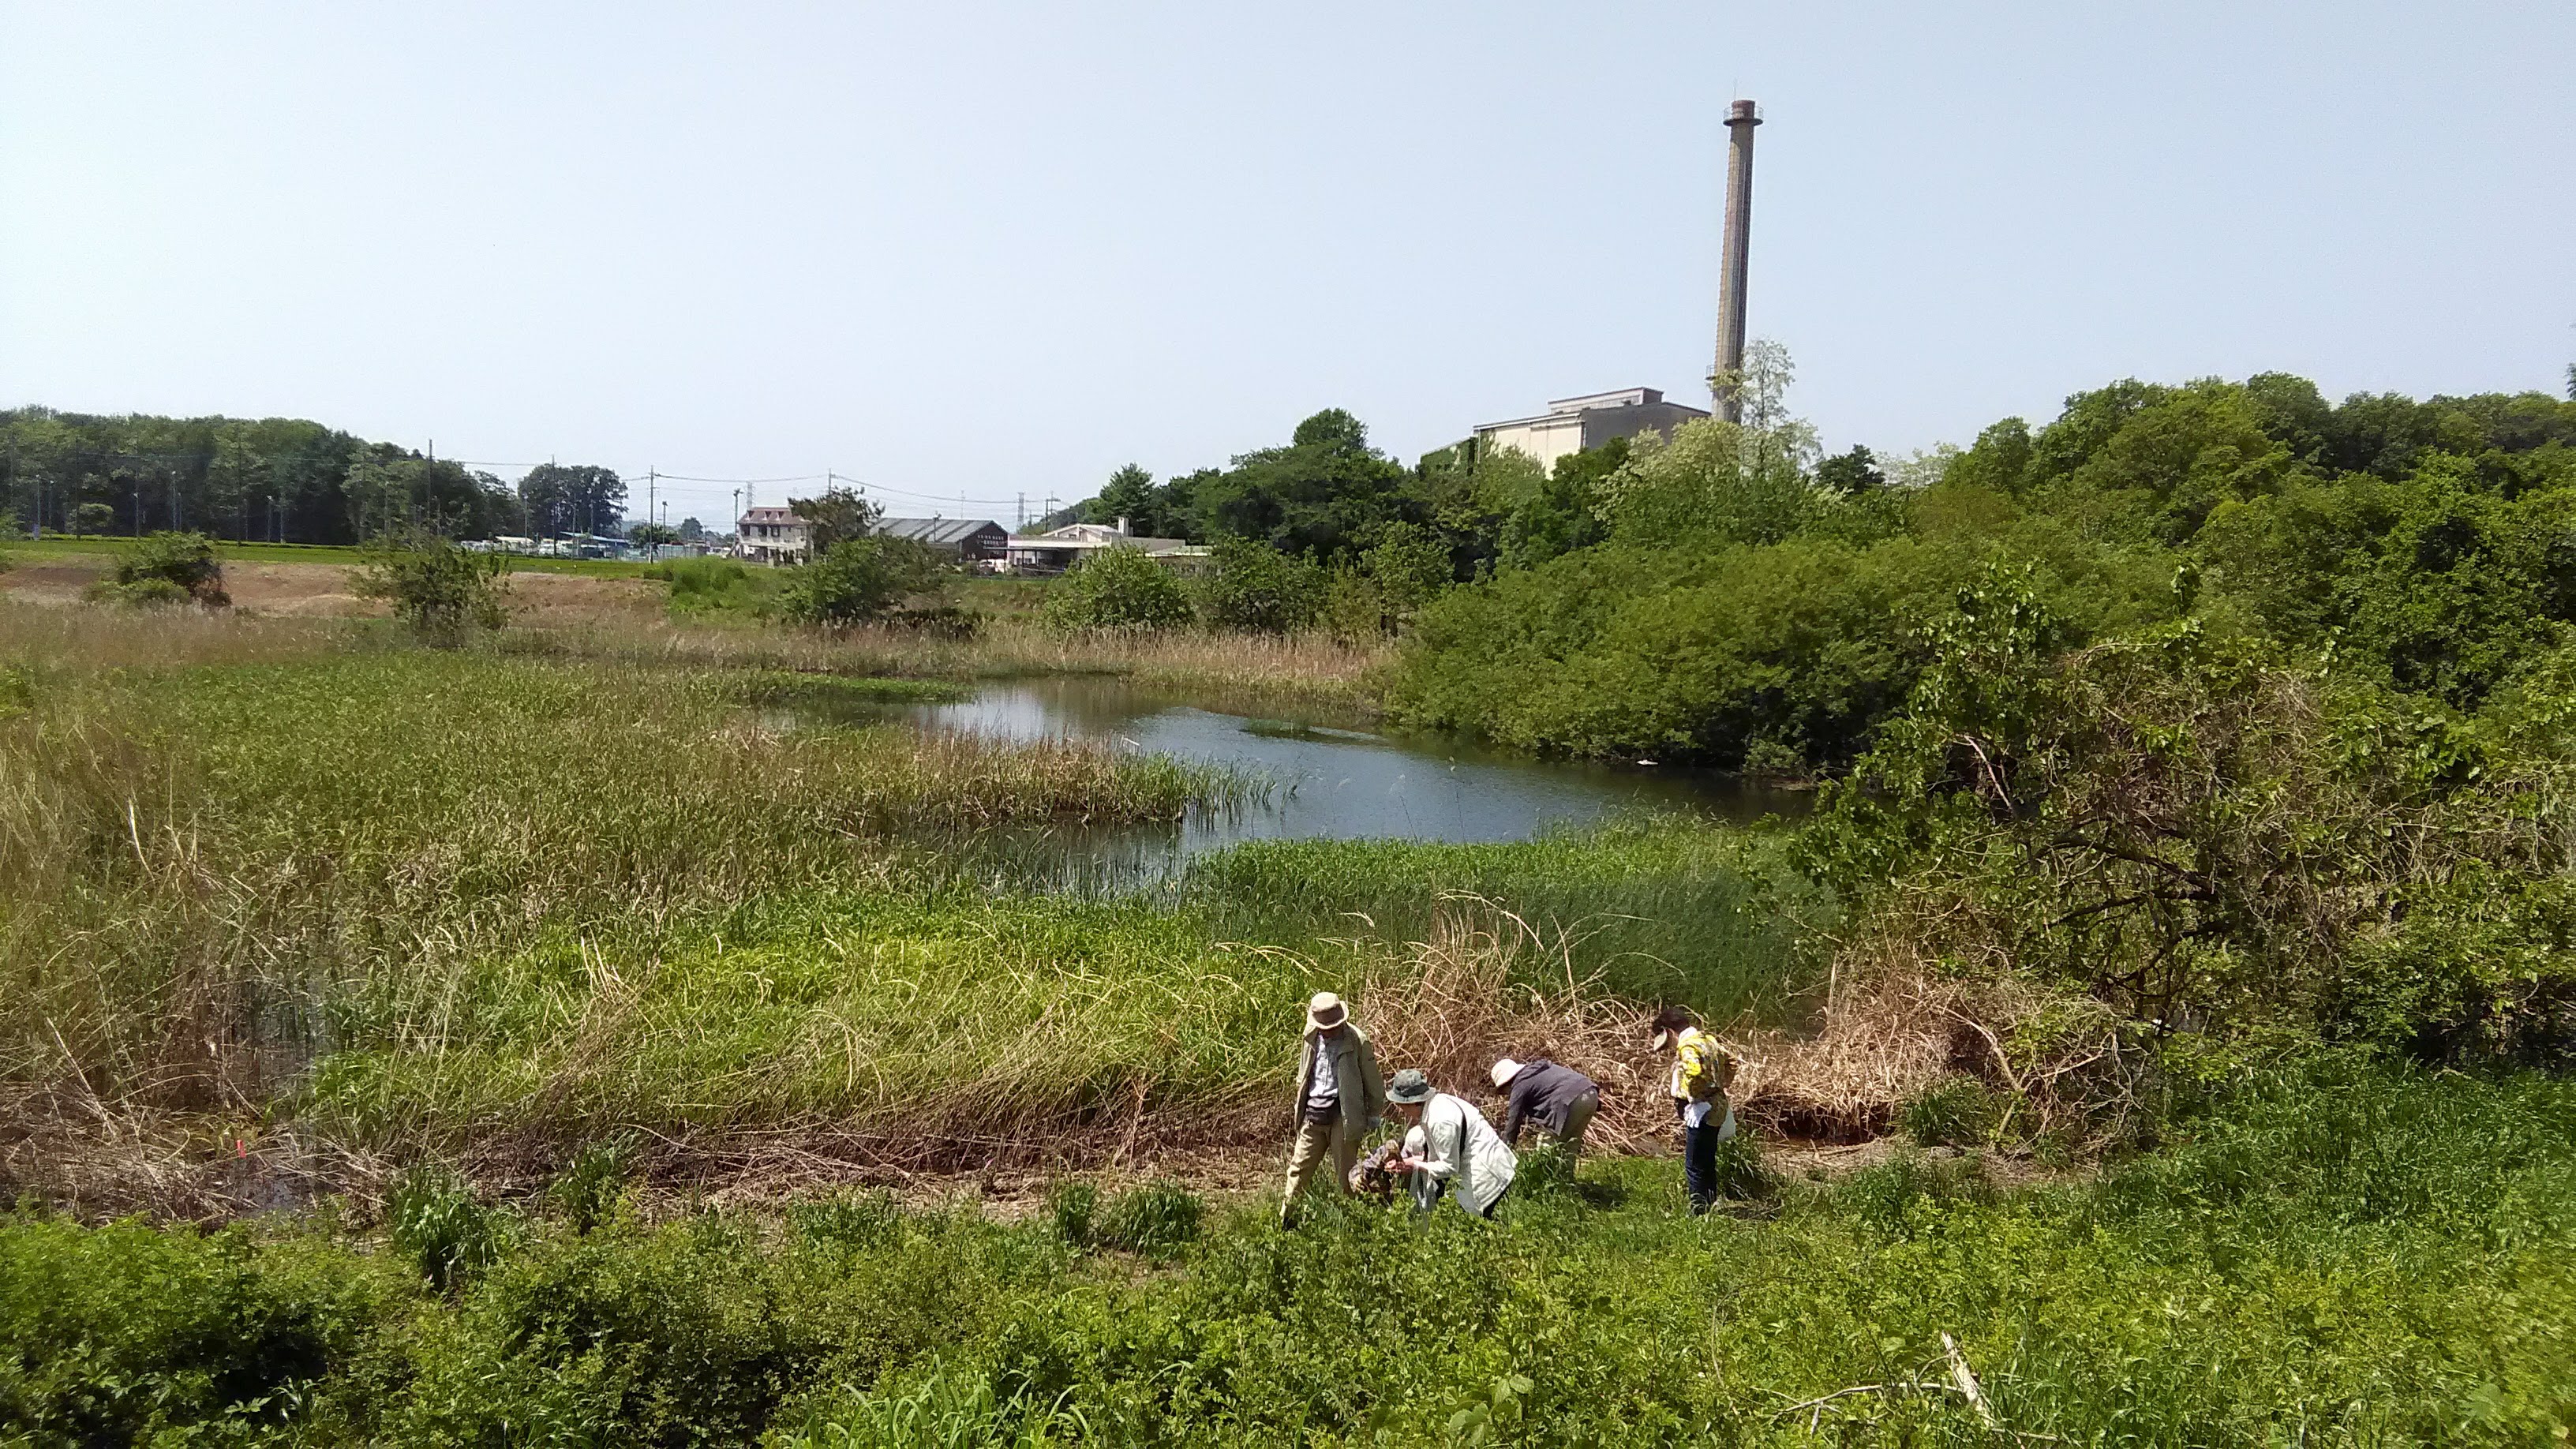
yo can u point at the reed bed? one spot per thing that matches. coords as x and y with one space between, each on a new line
1253 669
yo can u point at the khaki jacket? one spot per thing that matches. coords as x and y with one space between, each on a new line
1363 1095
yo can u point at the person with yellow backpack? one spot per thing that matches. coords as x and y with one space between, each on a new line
1703 1070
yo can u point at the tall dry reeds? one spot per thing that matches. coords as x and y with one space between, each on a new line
1251 668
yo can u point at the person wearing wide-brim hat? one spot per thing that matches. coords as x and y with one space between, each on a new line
1461 1153
1560 1100
1339 1100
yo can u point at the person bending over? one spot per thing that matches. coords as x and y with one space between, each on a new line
1560 1100
1461 1153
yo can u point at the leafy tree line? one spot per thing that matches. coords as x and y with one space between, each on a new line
1732 596
1327 531
282 479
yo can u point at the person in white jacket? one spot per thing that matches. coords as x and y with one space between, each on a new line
1460 1152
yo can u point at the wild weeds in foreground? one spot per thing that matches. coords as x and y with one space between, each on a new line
2246 1288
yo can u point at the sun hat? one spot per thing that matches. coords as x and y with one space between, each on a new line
1409 1087
1324 1011
1504 1070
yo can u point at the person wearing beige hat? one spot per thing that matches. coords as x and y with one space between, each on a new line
1339 1100
1560 1100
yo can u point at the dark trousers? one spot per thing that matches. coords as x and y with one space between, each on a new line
1699 1161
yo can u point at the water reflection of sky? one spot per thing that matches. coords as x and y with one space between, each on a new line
1333 783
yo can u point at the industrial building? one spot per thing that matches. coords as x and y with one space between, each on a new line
1059 549
1573 424
968 540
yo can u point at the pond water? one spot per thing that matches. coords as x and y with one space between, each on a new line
1326 781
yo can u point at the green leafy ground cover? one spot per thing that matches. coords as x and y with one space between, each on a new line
2329 1253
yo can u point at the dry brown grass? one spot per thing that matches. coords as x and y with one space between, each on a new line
1251 669
1465 997
91 637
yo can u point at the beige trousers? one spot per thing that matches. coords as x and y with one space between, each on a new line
1318 1142
1578 1115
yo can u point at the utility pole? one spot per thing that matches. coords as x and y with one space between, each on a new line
1023 514
652 481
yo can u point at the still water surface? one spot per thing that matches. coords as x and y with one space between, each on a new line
1326 782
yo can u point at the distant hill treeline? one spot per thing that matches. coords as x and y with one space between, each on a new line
281 479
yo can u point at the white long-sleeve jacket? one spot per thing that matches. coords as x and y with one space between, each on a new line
1463 1152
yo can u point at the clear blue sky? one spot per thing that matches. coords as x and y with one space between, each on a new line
1001 249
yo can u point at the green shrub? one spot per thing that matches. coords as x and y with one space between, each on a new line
1353 611
687 1336
1952 1112
1118 588
589 1189
859 579
1074 1209
129 1335
1741 1173
141 594
163 569
708 588
1156 1219
1786 658
1261 590
442 591
849 1221
185 559
441 1229
939 1408
1545 1168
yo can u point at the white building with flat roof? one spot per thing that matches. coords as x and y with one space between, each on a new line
1060 549
1573 424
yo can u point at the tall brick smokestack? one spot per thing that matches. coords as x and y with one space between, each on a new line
1740 121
